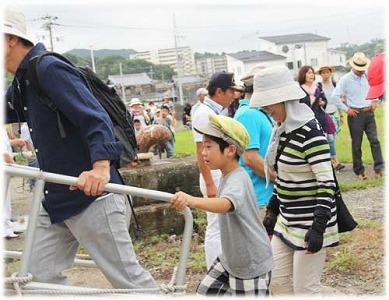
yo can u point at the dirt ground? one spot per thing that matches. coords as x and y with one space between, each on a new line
359 258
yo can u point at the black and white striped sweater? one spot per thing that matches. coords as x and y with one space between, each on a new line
304 182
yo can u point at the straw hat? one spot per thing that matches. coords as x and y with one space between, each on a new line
359 61
15 24
331 69
274 85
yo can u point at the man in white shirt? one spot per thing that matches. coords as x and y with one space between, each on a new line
220 89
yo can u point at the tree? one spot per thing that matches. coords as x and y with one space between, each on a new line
370 48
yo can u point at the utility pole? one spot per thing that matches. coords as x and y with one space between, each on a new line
151 72
179 73
48 25
92 57
121 83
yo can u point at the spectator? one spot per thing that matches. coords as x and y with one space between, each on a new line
153 110
315 97
201 93
167 101
328 85
169 122
30 151
376 77
244 265
259 127
186 114
8 231
137 126
138 113
354 87
237 96
301 215
220 89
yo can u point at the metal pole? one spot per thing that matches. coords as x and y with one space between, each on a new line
23 171
178 60
121 83
51 37
92 57
31 227
184 253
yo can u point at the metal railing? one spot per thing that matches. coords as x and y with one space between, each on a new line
11 170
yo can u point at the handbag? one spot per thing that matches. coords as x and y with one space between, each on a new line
344 218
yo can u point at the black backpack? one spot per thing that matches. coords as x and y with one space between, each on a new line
107 97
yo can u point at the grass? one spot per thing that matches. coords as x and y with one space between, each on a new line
358 250
343 140
184 143
360 185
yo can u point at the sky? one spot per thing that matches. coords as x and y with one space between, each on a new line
222 26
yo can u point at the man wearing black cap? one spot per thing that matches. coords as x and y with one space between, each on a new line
220 91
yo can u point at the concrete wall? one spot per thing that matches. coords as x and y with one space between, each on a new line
170 175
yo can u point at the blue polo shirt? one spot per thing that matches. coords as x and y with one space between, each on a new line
259 128
90 134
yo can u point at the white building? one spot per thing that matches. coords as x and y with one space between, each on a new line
210 65
183 55
241 62
337 58
302 49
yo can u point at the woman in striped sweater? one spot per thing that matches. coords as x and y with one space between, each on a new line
301 216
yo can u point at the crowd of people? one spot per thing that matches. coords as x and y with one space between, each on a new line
266 156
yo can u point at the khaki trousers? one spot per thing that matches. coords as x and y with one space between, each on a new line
295 272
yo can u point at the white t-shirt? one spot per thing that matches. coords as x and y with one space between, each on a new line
200 118
328 90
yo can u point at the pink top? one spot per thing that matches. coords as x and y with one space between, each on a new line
310 90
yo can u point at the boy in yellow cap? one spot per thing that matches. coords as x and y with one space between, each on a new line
245 264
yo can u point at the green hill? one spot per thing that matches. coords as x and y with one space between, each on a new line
102 52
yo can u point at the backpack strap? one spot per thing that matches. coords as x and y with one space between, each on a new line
281 148
36 81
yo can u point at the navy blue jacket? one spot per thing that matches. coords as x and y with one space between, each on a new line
90 134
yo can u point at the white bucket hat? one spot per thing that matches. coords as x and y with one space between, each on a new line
15 24
201 91
274 85
135 101
359 61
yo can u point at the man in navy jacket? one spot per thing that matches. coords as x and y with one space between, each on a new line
81 214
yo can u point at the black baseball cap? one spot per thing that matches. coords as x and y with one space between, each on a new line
223 80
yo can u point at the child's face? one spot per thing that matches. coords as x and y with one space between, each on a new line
325 75
213 157
164 113
137 126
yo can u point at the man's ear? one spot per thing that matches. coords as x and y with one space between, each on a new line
11 40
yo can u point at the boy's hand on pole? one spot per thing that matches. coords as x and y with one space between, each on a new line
180 200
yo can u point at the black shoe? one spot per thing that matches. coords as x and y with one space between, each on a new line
339 167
